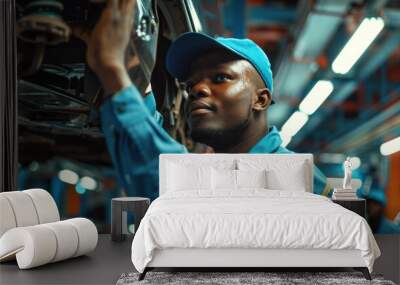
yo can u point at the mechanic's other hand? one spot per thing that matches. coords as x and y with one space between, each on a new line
107 42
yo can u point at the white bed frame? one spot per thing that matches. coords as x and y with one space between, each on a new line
246 257
234 257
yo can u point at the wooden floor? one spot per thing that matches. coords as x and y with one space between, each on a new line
110 260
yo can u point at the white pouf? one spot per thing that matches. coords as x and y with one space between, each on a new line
7 218
45 205
31 232
23 208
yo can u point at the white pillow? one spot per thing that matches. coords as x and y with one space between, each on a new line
226 179
282 174
293 180
188 177
223 179
251 178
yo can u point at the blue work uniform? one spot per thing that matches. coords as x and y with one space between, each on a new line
135 139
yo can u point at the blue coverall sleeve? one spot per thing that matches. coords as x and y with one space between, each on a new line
135 139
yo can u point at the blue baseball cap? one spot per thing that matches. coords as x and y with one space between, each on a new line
189 46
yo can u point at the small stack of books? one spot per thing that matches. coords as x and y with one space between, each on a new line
344 194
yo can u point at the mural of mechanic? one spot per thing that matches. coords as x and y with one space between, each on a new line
230 89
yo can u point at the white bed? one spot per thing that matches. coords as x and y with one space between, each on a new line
200 223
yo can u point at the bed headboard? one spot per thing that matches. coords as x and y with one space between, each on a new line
232 159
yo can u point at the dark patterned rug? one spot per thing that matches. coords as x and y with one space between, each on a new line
225 278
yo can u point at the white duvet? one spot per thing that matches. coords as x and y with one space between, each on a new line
253 218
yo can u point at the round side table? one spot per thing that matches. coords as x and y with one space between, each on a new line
119 208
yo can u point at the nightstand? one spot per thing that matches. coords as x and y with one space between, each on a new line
357 205
119 208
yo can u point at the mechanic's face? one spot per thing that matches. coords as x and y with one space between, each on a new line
221 96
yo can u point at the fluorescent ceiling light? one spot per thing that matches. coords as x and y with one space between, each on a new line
317 95
391 146
365 34
88 183
355 162
34 166
68 176
80 189
339 158
296 121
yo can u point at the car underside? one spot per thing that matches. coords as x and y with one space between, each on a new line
59 96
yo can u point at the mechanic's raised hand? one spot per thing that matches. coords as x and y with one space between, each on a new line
107 42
